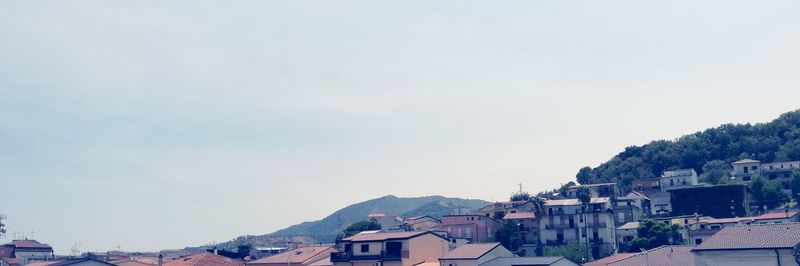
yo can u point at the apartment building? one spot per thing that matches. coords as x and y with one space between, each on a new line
609 190
475 228
390 249
567 220
678 179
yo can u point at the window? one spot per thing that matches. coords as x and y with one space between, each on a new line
745 169
671 182
753 167
698 241
364 248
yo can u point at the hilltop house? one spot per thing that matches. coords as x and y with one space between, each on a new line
420 223
631 207
303 256
498 210
395 248
564 221
678 179
475 228
385 220
608 190
761 244
26 251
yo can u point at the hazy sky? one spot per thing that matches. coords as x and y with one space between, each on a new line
161 124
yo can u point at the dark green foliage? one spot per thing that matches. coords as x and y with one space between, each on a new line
715 201
654 234
244 249
509 236
519 196
573 251
584 195
795 186
766 194
360 227
584 175
714 171
768 142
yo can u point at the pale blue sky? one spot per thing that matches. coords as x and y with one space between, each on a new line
161 124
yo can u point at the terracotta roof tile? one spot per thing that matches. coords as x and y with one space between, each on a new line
469 251
203 259
610 259
27 244
519 215
726 220
385 236
660 256
755 236
629 225
299 255
776 215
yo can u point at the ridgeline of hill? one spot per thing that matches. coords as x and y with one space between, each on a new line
708 152
328 228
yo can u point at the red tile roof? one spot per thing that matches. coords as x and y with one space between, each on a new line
27 244
300 255
6 251
776 215
660 256
757 236
12 261
726 220
469 251
610 259
519 215
204 259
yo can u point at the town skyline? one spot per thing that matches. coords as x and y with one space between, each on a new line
159 126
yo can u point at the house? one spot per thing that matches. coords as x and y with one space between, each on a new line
678 179
420 223
785 216
530 261
744 170
393 248
626 233
203 259
303 256
647 186
498 210
528 231
660 256
564 221
609 190
132 262
704 229
631 207
26 251
261 252
756 244
475 228
474 254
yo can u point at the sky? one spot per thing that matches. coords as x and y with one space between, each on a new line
148 125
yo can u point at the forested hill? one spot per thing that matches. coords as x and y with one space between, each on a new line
709 152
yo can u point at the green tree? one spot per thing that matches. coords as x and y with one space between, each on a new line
795 185
652 234
509 236
244 249
584 175
573 251
520 196
359 227
584 195
714 171
766 194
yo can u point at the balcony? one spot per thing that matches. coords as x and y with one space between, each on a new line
394 255
557 226
599 225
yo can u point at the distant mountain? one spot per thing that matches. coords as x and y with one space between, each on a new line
329 227
325 230
708 152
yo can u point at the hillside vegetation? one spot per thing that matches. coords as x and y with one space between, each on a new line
708 152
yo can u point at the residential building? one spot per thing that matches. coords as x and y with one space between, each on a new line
395 248
303 256
678 179
564 221
755 244
660 203
609 190
530 261
720 201
498 210
26 251
203 259
474 254
744 170
475 228
631 207
785 216
261 252
660 256
626 233
705 228
647 186
420 223
528 232
10 262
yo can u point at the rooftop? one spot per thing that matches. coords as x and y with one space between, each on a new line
594 185
519 215
203 259
570 202
470 251
27 243
757 236
505 261
628 225
660 256
298 255
776 215
610 259
381 236
746 161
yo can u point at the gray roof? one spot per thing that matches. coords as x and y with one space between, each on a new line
756 236
660 256
532 261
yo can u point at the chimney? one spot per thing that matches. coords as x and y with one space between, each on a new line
160 260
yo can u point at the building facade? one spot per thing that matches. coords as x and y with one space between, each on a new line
390 249
567 220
